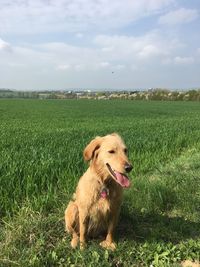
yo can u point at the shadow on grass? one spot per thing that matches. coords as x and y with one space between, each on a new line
154 227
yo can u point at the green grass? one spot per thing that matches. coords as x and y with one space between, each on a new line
41 161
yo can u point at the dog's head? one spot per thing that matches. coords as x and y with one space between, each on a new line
108 156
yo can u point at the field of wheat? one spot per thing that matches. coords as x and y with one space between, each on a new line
41 144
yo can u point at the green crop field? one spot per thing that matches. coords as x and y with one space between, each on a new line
41 144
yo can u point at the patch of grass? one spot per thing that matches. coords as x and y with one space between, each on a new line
148 232
173 188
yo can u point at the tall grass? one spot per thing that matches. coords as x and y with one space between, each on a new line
41 142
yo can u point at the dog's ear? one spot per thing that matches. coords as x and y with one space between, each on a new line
95 144
115 134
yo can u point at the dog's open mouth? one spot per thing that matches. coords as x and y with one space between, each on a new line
120 178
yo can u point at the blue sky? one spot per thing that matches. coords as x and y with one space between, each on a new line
99 44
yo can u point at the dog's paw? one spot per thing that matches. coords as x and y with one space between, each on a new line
74 242
108 245
82 245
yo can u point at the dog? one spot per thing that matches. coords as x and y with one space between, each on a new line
94 208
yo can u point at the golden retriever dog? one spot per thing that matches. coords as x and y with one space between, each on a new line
96 203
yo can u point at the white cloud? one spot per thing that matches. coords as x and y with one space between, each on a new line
4 46
64 52
119 67
124 51
30 17
150 50
177 60
183 60
63 67
107 49
179 16
58 64
129 48
16 65
79 67
104 64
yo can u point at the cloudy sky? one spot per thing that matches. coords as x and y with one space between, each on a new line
98 44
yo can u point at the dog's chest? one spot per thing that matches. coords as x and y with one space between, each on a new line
101 208
102 205
100 211
99 215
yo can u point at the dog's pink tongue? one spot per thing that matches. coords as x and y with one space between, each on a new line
122 179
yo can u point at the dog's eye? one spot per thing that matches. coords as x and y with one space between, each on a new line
111 151
125 150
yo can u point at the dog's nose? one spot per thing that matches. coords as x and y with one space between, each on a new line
128 167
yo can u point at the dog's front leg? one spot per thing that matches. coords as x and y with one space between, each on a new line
83 228
108 242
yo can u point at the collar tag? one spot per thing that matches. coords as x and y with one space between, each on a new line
104 192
